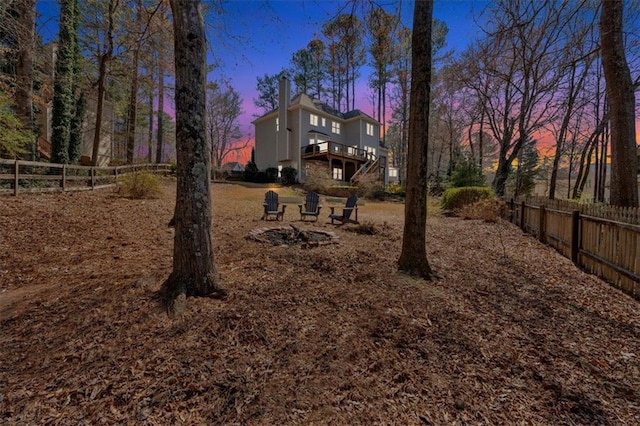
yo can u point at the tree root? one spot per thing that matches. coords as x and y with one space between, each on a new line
175 290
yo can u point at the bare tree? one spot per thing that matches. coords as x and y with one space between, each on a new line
620 92
224 106
517 69
105 57
24 70
413 258
194 270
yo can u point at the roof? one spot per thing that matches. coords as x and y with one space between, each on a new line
232 165
302 99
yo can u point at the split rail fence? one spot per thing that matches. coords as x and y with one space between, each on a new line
602 240
18 176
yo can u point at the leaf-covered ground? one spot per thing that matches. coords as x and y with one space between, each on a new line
510 333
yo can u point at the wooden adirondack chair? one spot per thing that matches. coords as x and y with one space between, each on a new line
311 206
271 205
348 209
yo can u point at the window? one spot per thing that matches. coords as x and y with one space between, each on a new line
324 122
393 172
369 129
313 119
277 124
335 127
336 173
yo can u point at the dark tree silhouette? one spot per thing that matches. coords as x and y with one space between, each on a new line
413 258
620 91
194 271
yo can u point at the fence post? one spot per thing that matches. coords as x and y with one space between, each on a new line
541 224
64 177
575 236
16 172
93 178
522 206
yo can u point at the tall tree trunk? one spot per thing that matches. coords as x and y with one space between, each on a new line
26 10
413 258
160 130
150 135
481 140
604 148
620 92
133 95
62 113
194 271
97 134
102 77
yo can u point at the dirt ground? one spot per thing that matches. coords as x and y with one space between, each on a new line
510 333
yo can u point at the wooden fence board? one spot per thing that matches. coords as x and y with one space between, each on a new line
602 240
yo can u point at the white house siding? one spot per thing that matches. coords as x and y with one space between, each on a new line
351 134
273 150
264 145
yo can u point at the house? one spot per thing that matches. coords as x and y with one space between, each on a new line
45 114
304 130
233 167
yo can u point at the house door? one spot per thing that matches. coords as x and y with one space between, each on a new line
349 170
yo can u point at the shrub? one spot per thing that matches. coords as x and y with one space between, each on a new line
289 175
488 210
318 178
396 188
369 186
456 198
140 185
252 174
14 138
467 173
250 171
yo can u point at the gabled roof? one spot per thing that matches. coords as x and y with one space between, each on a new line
304 100
232 165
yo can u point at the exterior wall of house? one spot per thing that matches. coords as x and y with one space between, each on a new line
266 141
351 134
295 137
282 148
106 133
284 100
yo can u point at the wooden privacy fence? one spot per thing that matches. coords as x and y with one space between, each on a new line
29 176
602 240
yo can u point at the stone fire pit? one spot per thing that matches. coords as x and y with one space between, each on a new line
293 236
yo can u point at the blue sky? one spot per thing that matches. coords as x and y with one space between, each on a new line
265 35
252 38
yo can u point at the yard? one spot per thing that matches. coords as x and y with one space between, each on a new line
510 332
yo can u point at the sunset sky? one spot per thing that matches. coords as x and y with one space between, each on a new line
266 34
251 38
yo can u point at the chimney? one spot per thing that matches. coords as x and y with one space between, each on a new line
284 101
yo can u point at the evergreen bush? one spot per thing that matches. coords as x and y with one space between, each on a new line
456 198
289 175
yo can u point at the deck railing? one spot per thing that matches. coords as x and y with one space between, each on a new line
335 148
